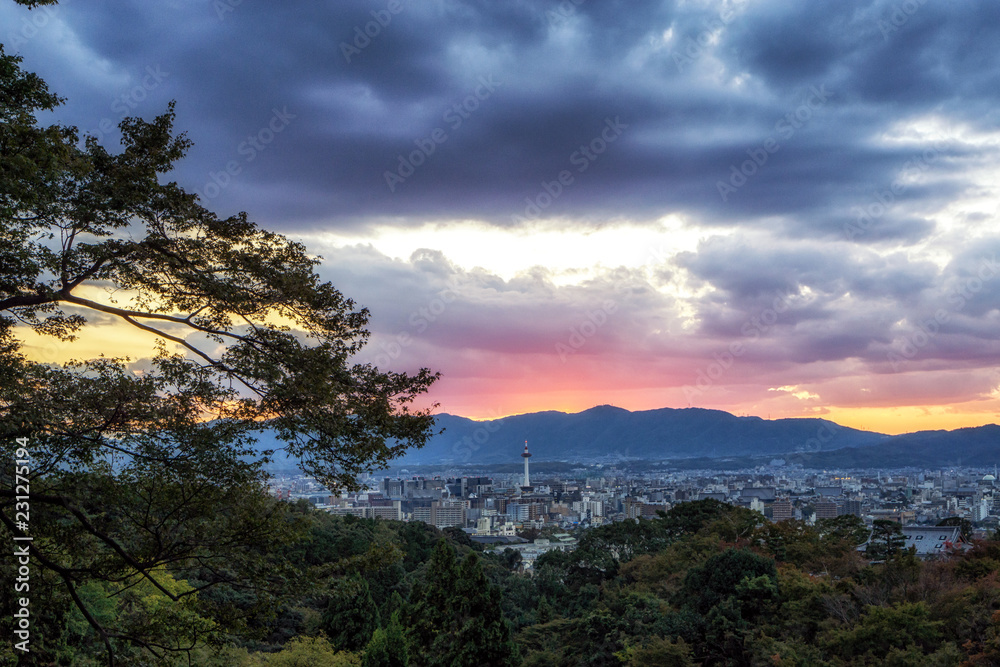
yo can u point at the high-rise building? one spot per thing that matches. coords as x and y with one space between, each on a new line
827 509
782 510
447 513
852 506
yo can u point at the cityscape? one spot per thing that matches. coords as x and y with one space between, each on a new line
502 511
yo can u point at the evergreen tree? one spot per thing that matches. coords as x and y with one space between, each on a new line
886 540
387 647
484 636
454 617
722 599
428 612
352 615
544 612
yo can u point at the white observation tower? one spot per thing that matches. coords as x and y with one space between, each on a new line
526 455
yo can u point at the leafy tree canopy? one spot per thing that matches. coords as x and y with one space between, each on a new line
148 470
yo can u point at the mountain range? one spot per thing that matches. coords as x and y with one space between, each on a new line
607 434
708 438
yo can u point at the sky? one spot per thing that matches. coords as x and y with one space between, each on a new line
774 208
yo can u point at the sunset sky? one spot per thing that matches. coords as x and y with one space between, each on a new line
776 208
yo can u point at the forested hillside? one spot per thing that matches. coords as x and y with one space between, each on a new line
703 584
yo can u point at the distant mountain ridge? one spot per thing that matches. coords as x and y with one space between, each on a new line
606 434
975 446
610 433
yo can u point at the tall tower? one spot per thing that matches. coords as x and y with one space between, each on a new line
526 455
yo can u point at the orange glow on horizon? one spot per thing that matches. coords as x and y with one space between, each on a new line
533 384
889 420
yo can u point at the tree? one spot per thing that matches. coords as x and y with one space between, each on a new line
658 652
306 652
454 616
544 613
790 541
138 468
723 575
387 647
690 517
845 528
722 598
142 609
351 616
884 629
886 540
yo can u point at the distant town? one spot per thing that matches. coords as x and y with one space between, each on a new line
532 516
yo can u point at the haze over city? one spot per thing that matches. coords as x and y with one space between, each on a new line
771 208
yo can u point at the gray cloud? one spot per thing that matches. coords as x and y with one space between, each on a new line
560 78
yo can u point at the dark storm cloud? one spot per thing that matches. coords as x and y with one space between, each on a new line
696 106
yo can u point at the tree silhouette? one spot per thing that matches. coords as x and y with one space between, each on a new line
137 469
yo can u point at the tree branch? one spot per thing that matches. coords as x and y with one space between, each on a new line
67 576
92 529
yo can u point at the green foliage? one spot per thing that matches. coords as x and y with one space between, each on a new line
156 543
721 600
885 630
729 522
603 550
727 574
790 541
306 652
351 616
387 647
544 613
979 561
658 652
511 559
142 606
419 540
454 616
845 527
